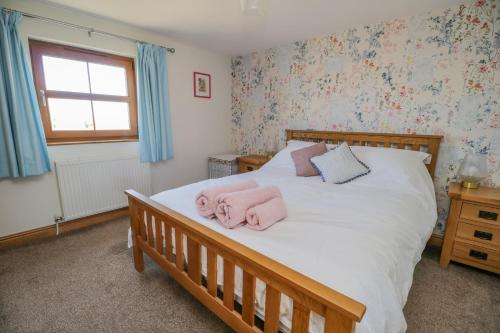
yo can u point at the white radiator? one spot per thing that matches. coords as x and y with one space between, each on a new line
96 185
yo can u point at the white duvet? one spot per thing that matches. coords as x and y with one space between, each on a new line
362 238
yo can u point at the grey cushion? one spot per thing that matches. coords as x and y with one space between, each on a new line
339 165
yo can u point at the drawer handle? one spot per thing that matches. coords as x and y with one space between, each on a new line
478 255
483 235
488 215
249 168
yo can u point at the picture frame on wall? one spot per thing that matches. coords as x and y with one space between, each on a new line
202 85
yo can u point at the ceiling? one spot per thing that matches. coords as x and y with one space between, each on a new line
220 25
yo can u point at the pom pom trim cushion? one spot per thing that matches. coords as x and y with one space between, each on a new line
339 165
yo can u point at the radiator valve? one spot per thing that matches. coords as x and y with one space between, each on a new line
57 220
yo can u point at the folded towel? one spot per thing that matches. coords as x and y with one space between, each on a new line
265 215
205 200
232 207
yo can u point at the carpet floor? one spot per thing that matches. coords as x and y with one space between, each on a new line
86 282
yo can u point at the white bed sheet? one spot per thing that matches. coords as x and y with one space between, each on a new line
362 238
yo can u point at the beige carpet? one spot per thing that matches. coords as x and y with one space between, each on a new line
85 282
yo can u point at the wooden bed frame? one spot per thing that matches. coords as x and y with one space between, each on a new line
341 312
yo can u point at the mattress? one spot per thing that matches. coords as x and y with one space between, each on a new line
362 238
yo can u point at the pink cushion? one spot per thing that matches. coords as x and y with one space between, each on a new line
301 157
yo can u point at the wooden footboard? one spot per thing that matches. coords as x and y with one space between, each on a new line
341 312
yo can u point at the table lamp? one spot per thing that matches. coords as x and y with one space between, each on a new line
473 170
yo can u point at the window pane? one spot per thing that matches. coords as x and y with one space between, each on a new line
70 114
111 115
66 75
108 80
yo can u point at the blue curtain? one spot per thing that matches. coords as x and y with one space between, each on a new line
155 134
23 151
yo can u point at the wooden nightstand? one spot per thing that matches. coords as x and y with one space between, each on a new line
251 162
472 234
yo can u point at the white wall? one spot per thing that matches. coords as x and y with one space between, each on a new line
200 126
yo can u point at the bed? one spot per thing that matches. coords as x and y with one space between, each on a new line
343 250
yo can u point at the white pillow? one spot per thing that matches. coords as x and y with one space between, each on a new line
283 159
396 167
339 165
392 152
392 162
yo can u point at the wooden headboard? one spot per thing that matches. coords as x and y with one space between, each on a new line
427 143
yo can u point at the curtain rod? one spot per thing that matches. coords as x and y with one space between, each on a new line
89 30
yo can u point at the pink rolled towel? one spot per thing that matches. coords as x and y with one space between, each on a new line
265 215
205 200
232 207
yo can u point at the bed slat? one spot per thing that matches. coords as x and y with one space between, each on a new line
194 262
169 245
336 323
248 311
158 234
300 318
212 272
272 315
228 285
150 229
142 223
179 250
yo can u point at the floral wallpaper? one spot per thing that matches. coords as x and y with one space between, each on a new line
435 73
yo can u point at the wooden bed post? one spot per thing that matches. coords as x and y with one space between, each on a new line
134 226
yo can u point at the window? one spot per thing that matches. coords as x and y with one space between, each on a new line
84 95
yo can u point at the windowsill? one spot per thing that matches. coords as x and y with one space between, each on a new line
77 142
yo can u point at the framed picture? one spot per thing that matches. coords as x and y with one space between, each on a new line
202 85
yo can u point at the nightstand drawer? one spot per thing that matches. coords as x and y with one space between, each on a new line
480 213
251 162
476 254
478 233
245 167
